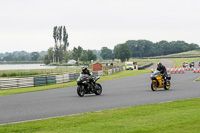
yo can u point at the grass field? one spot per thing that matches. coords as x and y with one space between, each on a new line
177 117
73 83
188 54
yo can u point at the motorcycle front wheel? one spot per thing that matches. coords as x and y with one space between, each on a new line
81 90
98 88
167 86
153 86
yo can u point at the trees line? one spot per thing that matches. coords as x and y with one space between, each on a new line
131 48
22 56
145 48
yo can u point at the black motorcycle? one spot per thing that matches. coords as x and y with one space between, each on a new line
85 86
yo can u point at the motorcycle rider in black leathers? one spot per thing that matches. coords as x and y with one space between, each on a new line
86 71
163 71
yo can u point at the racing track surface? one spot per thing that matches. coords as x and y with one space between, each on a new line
123 92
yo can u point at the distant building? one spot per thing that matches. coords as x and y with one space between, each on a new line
96 67
71 62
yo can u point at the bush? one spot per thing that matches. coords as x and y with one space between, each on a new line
18 74
63 64
4 75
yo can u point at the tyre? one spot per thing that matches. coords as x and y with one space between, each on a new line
98 88
167 86
154 86
81 91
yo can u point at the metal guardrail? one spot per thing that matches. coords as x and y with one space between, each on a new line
62 78
111 71
16 83
144 66
39 81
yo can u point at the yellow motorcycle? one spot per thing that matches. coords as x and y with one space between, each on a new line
159 82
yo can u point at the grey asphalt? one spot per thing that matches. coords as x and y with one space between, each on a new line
123 92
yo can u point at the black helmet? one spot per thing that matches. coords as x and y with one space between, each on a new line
159 64
84 68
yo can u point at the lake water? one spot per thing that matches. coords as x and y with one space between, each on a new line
24 66
32 66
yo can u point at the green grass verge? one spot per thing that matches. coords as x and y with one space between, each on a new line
177 116
73 83
198 79
141 62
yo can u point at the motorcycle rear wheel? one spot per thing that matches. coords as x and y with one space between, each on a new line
153 86
81 90
98 88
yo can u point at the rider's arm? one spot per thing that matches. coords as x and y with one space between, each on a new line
89 73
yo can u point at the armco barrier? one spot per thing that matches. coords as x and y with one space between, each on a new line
16 83
114 70
144 66
95 73
71 77
62 78
51 80
66 78
76 75
59 79
39 81
43 80
110 71
120 68
100 73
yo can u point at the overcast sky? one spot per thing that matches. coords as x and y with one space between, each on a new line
28 24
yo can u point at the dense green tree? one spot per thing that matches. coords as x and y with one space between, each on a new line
65 39
46 60
77 53
8 57
34 56
88 55
98 54
60 34
84 56
50 56
122 52
55 34
67 55
106 53
91 55
145 48
21 56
